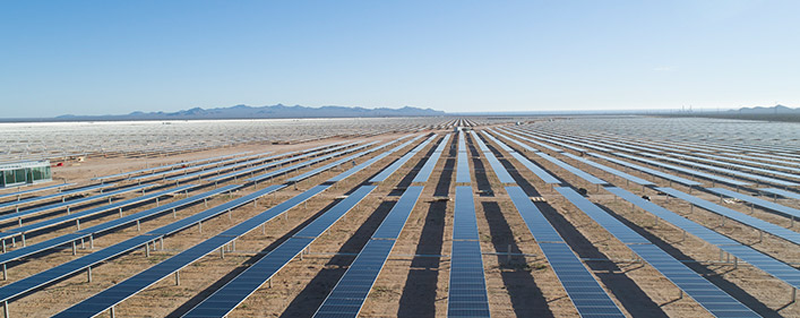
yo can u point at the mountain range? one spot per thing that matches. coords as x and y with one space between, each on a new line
264 112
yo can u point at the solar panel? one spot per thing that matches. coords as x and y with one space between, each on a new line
708 295
427 168
663 175
585 292
761 261
305 164
467 289
385 173
745 219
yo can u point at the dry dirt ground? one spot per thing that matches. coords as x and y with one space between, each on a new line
414 281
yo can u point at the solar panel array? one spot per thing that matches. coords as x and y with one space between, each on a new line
61 194
93 211
237 290
467 289
763 262
462 161
59 272
663 175
71 203
119 292
708 295
107 226
22 192
745 219
292 157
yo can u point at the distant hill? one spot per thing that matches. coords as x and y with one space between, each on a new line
264 112
774 113
777 109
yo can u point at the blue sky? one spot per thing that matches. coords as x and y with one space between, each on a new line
113 57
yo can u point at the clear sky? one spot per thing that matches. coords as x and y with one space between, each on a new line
114 57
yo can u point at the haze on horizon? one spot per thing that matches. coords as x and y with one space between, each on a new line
95 57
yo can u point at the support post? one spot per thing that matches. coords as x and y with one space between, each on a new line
177 277
89 274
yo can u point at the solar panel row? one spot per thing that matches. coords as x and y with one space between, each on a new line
427 168
462 161
713 299
467 290
578 172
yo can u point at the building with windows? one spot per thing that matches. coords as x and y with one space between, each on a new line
16 174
